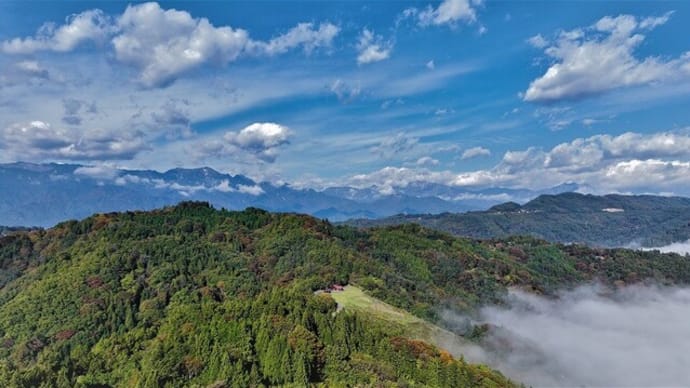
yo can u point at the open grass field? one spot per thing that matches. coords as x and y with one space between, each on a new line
352 298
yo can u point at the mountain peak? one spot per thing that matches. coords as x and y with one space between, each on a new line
505 207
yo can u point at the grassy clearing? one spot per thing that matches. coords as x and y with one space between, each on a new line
353 298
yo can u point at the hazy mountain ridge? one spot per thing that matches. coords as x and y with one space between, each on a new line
44 194
610 220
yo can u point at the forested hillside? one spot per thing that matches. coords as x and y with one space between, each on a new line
193 296
607 221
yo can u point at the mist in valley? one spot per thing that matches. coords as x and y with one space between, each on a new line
682 248
590 336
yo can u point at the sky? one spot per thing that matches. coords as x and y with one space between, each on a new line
472 93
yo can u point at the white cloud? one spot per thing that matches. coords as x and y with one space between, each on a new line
655 173
475 152
225 187
130 179
431 65
580 153
605 161
538 41
344 91
395 145
120 179
260 139
98 172
303 34
388 179
251 190
654 21
32 68
591 152
591 336
88 26
38 141
371 48
599 58
646 146
448 12
426 161
163 44
631 162
682 248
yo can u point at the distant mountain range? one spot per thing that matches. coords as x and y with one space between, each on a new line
607 221
44 194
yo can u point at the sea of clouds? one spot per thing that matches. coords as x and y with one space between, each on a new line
588 337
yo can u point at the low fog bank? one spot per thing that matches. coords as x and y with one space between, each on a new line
682 248
637 336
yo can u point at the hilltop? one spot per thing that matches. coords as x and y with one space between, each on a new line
605 221
191 295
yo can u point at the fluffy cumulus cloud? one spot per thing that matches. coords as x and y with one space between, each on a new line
162 43
371 48
648 174
262 140
475 152
599 58
38 140
609 163
589 337
591 152
165 43
88 26
448 12
304 35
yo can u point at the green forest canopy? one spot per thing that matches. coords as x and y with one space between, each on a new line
193 296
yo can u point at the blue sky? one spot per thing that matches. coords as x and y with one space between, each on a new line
460 92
